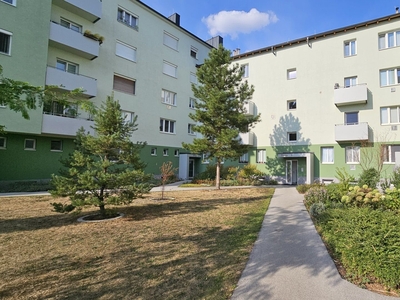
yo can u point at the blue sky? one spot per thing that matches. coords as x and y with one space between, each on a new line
255 24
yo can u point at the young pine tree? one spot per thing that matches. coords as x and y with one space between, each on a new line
104 168
222 94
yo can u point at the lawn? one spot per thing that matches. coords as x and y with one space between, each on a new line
192 247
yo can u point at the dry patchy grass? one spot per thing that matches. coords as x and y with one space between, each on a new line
192 247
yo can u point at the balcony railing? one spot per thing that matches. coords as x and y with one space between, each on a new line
357 94
73 42
351 132
68 81
64 124
250 108
90 10
247 138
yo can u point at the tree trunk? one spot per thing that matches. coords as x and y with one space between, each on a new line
217 175
101 201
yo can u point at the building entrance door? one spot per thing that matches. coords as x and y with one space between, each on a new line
291 171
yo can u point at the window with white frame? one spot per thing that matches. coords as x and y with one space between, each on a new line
170 41
388 153
125 85
30 144
56 145
67 66
261 156
350 48
192 103
352 154
70 25
176 152
169 69
292 137
327 155
5 42
291 74
168 97
127 18
12 2
292 105
351 118
167 126
350 81
165 152
390 115
193 52
128 116
205 158
389 39
125 51
390 76
190 129
244 159
193 78
153 151
245 70
3 142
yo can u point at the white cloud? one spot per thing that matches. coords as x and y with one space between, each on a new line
234 22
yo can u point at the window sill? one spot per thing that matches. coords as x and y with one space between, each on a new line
171 133
352 163
59 151
30 149
390 85
350 55
328 163
127 25
165 103
12 4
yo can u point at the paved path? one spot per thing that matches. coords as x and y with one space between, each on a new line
290 261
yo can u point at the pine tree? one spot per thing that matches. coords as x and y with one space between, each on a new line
220 113
104 168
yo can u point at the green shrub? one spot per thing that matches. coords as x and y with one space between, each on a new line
250 171
391 199
316 209
369 177
363 197
25 186
303 188
336 191
271 182
345 179
314 195
366 241
395 179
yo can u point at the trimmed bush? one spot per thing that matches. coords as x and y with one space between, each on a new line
369 177
316 209
363 197
336 191
315 195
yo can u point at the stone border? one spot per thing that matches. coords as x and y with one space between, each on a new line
82 219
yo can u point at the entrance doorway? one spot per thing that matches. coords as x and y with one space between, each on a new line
291 172
191 168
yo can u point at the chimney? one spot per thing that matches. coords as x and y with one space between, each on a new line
236 52
216 41
176 18
397 10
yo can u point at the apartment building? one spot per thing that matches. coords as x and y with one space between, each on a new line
122 48
327 101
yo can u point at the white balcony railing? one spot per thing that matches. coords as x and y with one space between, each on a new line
357 94
63 125
247 138
351 132
90 10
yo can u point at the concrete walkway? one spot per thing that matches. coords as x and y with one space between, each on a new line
290 261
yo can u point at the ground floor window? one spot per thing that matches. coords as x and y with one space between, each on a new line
56 145
327 155
244 159
261 156
3 142
353 154
30 144
388 153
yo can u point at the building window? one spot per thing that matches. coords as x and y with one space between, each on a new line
390 115
168 97
124 85
70 25
261 156
67 66
167 126
176 152
327 155
5 42
3 142
389 153
56 145
390 76
169 69
291 105
351 118
192 103
291 74
153 151
190 129
244 159
193 52
352 154
30 144
350 81
245 70
127 18
12 2
205 158
292 137
128 116
193 78
125 51
350 48
170 41
165 152
389 40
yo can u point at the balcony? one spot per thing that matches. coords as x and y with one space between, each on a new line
250 108
90 10
247 138
357 94
67 81
351 132
63 125
74 42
